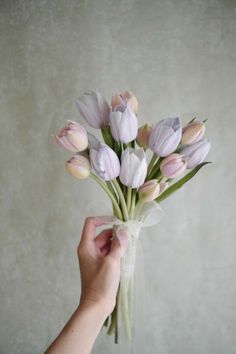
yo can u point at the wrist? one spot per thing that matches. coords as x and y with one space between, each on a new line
101 307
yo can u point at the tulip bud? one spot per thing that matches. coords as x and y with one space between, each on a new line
79 167
196 152
133 167
104 161
163 186
125 98
143 136
94 109
149 190
124 124
193 132
165 136
73 137
173 165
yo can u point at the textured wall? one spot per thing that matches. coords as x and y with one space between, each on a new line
179 59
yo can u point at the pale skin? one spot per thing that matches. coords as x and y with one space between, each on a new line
99 260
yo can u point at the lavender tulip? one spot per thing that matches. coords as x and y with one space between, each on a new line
133 167
173 165
165 136
196 152
104 161
72 137
94 109
124 124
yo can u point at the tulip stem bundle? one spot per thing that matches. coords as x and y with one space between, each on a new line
122 200
119 165
110 194
129 197
151 164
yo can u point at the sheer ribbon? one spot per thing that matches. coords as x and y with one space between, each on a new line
132 283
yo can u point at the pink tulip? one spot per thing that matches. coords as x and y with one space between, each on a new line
143 135
173 165
149 190
193 132
79 167
163 186
73 137
125 98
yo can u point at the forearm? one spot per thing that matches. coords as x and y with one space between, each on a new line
79 334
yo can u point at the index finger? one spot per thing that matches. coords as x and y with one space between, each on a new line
90 225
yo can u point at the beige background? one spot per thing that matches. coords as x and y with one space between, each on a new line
179 59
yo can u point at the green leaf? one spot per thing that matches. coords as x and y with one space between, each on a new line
180 183
106 133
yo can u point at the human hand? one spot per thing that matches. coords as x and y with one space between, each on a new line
99 259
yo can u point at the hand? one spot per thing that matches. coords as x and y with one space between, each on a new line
99 259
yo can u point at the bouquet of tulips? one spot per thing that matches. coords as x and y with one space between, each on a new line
135 166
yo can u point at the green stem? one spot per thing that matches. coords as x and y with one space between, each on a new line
129 196
125 307
113 190
133 202
122 199
109 193
106 133
117 199
151 164
155 169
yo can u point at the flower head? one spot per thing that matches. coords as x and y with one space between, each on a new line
133 167
94 109
72 137
165 136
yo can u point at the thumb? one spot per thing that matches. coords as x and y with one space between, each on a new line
119 242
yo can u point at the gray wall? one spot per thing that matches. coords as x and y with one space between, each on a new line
179 59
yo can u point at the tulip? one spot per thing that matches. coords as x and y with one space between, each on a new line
93 141
105 162
165 136
94 109
149 190
133 167
125 98
193 132
143 135
79 167
173 165
73 137
163 186
124 124
196 152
